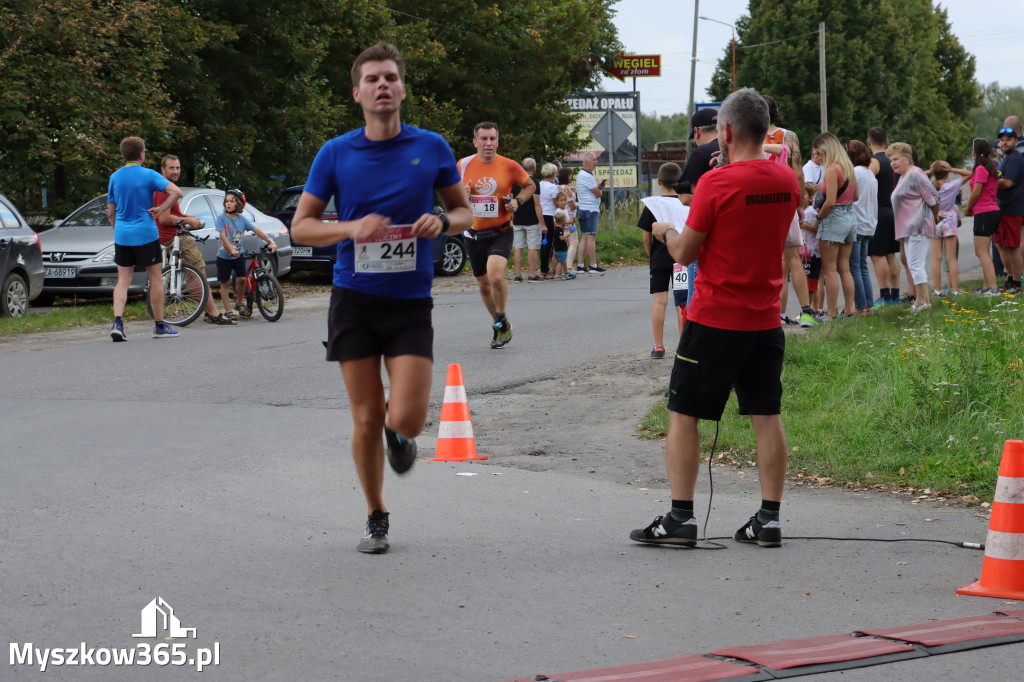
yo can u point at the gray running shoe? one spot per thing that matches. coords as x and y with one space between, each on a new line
401 451
376 539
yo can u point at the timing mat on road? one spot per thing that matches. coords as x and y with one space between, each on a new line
821 654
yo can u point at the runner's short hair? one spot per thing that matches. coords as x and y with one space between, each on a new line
168 158
380 52
132 148
485 125
669 174
746 112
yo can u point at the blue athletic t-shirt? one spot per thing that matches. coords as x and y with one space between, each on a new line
395 178
131 188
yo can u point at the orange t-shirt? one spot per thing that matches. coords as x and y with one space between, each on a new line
489 184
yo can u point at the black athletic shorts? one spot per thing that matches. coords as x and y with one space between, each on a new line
364 326
661 279
884 241
709 362
494 242
226 266
986 224
141 256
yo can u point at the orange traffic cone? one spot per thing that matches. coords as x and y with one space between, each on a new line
1002 569
455 442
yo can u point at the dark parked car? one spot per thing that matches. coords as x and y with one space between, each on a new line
78 252
21 262
449 250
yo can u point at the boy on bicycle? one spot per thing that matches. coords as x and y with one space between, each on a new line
231 225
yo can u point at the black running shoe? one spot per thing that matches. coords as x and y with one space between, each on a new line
401 451
767 535
376 539
664 530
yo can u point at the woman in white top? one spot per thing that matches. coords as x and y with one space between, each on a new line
865 208
547 192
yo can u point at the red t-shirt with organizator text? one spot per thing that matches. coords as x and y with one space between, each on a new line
745 209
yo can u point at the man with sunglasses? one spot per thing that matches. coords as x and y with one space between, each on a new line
1011 203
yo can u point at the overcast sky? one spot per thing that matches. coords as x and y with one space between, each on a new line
665 27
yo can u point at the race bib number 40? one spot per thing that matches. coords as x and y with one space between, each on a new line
394 252
679 277
485 207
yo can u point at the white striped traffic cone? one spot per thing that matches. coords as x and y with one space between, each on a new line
1002 569
455 442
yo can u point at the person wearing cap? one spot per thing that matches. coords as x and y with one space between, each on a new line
1011 202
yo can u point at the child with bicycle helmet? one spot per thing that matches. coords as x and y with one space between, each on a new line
232 224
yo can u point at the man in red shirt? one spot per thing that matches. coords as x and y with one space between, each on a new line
737 226
166 225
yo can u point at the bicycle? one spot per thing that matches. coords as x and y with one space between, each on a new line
185 289
262 286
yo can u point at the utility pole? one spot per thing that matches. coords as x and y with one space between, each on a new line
821 77
693 77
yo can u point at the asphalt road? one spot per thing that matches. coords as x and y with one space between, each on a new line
213 471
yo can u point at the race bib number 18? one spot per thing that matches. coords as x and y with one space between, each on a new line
394 252
679 279
485 207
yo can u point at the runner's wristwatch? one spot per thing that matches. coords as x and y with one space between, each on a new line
445 223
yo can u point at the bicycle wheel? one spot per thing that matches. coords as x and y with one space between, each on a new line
269 297
187 302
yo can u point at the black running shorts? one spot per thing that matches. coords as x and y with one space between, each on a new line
709 362
884 240
141 256
364 326
494 242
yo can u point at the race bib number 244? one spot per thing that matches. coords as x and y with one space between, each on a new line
394 252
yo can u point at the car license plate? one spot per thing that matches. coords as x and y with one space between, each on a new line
302 250
61 273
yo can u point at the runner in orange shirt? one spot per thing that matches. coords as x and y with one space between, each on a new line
488 179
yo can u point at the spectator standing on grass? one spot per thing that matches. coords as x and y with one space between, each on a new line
547 189
588 195
883 247
738 221
131 213
915 205
1010 199
837 223
944 235
526 231
704 133
571 207
866 211
982 205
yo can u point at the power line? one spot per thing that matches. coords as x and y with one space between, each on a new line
803 35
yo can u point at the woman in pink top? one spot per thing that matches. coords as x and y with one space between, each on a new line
982 205
915 206
837 222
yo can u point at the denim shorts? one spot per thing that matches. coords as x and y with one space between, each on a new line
840 225
587 221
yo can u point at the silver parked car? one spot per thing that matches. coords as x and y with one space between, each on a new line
21 265
78 253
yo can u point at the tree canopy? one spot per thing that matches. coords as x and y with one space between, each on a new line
889 63
246 92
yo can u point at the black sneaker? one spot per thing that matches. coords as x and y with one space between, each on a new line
580 268
597 268
664 530
376 539
767 535
401 451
